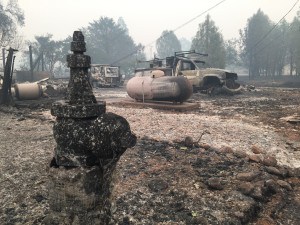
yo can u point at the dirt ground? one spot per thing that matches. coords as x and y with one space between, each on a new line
231 160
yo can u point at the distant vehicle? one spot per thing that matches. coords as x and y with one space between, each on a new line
102 75
212 80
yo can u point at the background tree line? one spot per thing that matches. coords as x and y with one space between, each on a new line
264 48
267 53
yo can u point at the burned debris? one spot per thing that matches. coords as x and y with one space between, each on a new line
102 75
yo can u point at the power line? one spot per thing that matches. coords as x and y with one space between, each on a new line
174 30
265 36
191 20
271 41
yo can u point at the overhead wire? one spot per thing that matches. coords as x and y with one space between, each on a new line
265 36
271 41
174 30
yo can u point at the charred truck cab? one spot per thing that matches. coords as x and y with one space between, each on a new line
211 80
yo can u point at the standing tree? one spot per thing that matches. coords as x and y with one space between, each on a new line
253 39
121 23
109 43
185 44
209 40
10 17
167 44
232 54
294 46
276 50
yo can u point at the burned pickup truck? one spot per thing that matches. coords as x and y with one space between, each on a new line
175 78
211 80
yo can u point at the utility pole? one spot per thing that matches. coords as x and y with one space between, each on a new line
31 63
43 63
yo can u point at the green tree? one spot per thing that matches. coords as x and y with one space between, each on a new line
293 43
232 54
185 44
109 43
121 23
11 16
276 50
253 38
209 40
167 44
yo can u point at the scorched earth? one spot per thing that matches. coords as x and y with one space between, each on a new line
231 160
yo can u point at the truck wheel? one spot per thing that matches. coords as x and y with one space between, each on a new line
231 91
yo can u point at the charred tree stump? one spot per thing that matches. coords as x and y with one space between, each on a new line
5 97
89 145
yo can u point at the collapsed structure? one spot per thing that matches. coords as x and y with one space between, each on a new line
89 145
103 75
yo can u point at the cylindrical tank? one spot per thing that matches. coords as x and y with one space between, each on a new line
28 91
162 88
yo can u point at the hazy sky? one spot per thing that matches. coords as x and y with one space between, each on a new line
146 19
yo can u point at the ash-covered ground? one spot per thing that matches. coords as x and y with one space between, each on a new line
232 160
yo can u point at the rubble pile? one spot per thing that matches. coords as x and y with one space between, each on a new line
53 89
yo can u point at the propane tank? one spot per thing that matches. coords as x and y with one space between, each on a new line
28 91
159 88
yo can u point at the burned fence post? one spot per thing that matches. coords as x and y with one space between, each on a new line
89 145
5 96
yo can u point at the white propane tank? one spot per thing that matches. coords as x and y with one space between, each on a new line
28 91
